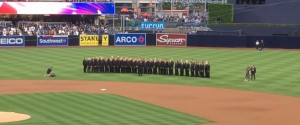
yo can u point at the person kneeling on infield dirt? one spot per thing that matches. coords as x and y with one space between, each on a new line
50 73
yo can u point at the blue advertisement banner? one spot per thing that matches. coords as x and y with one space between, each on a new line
130 39
52 40
152 26
12 41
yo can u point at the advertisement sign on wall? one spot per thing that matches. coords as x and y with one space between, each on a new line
52 40
152 26
164 39
88 40
12 41
105 40
64 8
130 39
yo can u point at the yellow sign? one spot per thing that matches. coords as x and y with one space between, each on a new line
88 40
105 40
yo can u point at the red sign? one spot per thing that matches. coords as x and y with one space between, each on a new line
165 39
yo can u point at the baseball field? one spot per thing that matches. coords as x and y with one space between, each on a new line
127 99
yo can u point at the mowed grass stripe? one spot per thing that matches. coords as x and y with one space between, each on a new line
227 66
24 104
90 109
167 114
106 109
119 112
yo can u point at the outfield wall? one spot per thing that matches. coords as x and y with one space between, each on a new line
151 40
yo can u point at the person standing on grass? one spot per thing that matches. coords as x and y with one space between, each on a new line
84 63
207 69
247 76
181 68
187 68
253 71
177 65
262 46
192 68
257 44
202 67
140 68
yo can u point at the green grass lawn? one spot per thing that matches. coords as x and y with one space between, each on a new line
90 109
278 71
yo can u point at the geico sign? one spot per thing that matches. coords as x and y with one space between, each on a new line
127 39
166 39
11 41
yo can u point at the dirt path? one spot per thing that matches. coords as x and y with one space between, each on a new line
224 106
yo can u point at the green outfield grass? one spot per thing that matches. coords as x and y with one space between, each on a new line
278 71
90 109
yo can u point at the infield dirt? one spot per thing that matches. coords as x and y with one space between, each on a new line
223 106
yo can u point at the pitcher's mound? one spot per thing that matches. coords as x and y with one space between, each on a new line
12 117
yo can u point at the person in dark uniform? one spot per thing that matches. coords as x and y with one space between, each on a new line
140 67
89 65
262 46
181 68
84 63
187 68
147 67
111 64
92 65
107 65
192 69
202 68
253 71
50 73
155 66
135 64
160 67
171 67
150 66
177 64
97 65
165 67
101 62
197 69
207 70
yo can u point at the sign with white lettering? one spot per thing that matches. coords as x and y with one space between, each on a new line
12 41
52 40
130 39
152 26
164 39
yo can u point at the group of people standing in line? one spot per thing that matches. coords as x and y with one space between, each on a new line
250 71
259 45
146 66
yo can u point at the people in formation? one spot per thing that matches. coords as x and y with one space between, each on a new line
146 66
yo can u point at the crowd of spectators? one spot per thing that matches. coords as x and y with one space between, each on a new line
31 28
7 28
193 18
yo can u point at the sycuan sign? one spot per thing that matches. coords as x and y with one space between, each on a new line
163 39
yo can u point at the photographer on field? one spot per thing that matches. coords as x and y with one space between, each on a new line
50 73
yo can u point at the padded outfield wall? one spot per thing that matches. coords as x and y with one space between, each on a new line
286 42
